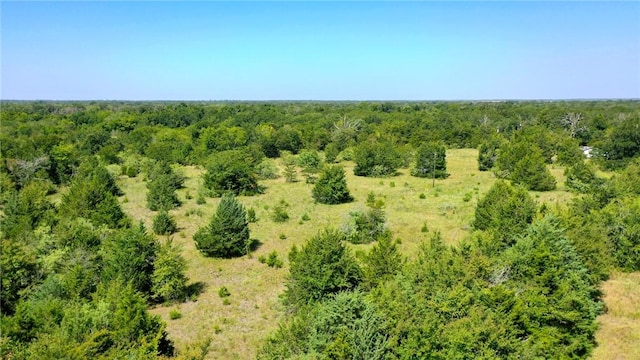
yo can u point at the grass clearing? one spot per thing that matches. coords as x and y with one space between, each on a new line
619 333
238 328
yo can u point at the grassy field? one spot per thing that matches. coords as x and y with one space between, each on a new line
237 329
619 334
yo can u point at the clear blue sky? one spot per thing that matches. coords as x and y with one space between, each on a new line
319 50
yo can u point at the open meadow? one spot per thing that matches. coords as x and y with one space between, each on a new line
414 207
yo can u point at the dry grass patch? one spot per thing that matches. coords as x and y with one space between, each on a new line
619 333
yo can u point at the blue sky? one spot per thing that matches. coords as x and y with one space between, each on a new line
319 50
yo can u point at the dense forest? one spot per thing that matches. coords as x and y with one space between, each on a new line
79 274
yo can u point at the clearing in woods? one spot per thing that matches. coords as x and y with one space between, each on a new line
237 327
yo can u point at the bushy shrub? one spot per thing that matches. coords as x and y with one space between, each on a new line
322 267
232 171
376 158
279 212
331 186
430 161
168 279
267 169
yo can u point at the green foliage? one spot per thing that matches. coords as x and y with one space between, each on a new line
161 194
267 169
581 177
430 161
251 215
164 224
621 145
232 171
273 261
331 186
331 152
169 282
175 314
19 269
621 218
366 226
569 152
223 292
508 156
376 159
290 173
227 235
557 307
309 161
383 261
93 199
488 153
279 212
532 172
162 183
25 210
505 210
129 254
323 266
346 326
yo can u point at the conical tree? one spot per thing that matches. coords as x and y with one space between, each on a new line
228 233
331 187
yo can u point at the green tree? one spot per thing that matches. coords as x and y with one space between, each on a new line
323 266
581 177
532 172
346 326
129 254
227 235
232 171
164 224
430 161
169 282
488 153
331 186
19 269
383 261
376 158
161 194
506 210
92 199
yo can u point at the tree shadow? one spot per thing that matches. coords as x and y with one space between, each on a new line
254 244
195 289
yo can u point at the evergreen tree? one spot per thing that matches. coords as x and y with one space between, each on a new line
505 210
92 199
532 172
431 161
164 224
323 266
227 235
488 154
581 177
331 186
162 194
129 254
169 282
383 261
